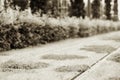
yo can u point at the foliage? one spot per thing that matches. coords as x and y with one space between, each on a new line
115 9
96 8
77 8
37 5
108 9
22 29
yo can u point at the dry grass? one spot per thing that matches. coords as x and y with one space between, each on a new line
115 58
13 65
99 48
114 38
74 68
4 54
114 78
62 57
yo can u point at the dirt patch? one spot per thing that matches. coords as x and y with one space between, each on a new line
99 48
74 68
12 65
62 57
115 58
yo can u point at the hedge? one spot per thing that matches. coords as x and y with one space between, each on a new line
21 35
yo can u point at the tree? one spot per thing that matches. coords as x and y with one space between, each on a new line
22 4
115 9
52 8
37 5
77 8
96 8
108 9
49 7
89 8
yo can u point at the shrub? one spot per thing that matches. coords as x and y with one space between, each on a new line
73 32
28 30
27 34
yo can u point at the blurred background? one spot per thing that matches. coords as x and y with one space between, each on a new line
103 9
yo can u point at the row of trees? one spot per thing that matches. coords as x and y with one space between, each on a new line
77 7
96 8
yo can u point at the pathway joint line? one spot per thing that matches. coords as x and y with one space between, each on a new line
94 64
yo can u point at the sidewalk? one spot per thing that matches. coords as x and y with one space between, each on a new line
106 69
64 60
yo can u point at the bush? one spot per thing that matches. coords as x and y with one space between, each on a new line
42 30
73 32
27 34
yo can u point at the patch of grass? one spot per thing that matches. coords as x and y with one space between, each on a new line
13 65
74 68
114 78
62 57
115 58
3 54
114 38
99 48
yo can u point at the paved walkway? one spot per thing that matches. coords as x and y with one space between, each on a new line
64 60
107 69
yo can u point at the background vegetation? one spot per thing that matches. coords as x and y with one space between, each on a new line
35 24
